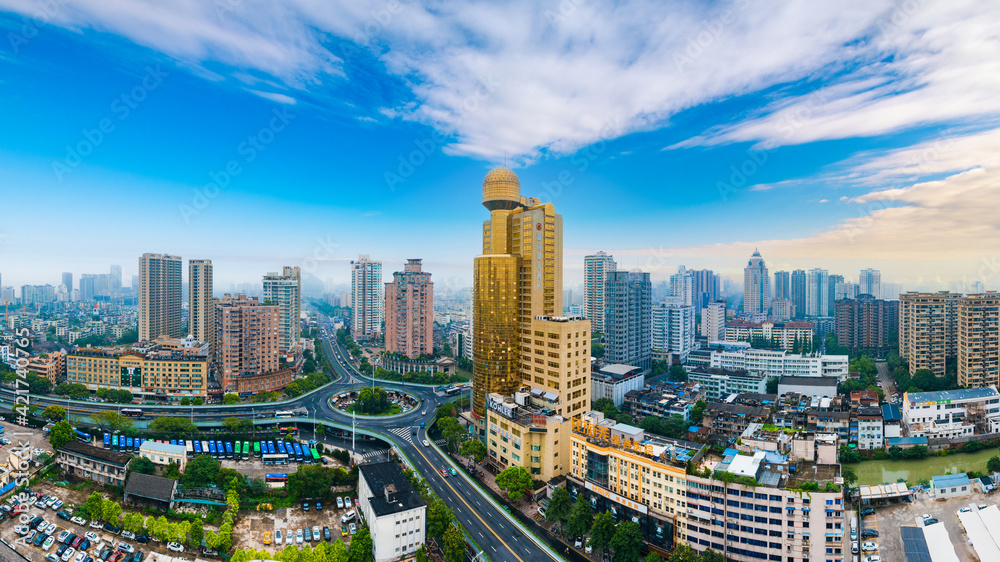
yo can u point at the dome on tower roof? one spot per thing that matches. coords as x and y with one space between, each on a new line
501 189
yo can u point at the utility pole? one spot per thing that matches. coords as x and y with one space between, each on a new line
354 425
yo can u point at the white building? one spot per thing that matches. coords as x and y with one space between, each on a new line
164 453
778 363
614 381
713 321
285 290
595 272
682 286
871 430
394 512
720 383
817 292
367 298
949 414
870 283
673 329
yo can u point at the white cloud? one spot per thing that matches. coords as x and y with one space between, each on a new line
274 96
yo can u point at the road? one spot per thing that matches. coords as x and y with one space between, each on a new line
884 379
489 526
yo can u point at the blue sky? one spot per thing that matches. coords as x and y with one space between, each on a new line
858 135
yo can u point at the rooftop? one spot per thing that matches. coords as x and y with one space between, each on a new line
945 395
619 370
150 487
97 453
383 475
950 480
167 448
809 381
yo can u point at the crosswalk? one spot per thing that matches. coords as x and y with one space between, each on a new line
374 455
403 433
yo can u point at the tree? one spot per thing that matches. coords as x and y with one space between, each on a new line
653 557
230 398
709 555
237 425
201 471
174 427
373 401
361 546
198 401
421 553
197 533
580 517
993 465
516 481
93 505
60 434
627 542
454 545
439 517
697 412
74 390
559 505
111 511
54 413
143 465
111 421
185 401
320 430
678 373
338 552
602 531
37 384
315 481
850 477
473 448
683 553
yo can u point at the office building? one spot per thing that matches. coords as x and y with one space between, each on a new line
595 272
159 296
782 310
153 374
395 513
817 292
979 340
782 285
713 321
771 334
201 303
719 383
707 288
798 292
93 463
928 330
247 335
524 430
778 362
86 287
870 282
285 290
950 414
628 329
67 281
864 324
367 301
613 382
672 330
409 311
682 286
756 289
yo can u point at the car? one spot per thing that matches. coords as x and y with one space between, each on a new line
106 553
323 460
68 555
78 520
143 538
414 430
62 548
867 511
84 544
930 521
319 506
139 556
48 543
277 536
869 546
39 539
326 534
353 528
51 557
62 536
89 559
30 537
305 506
69 539
316 535
128 535
925 516
453 471
51 529
982 506
308 534
854 547
92 536
267 537
444 473
125 547
95 524
963 510
57 505
873 558
176 547
357 502
590 548
64 515
76 542
578 543
80 556
423 413
298 536
112 529
343 531
340 502
869 533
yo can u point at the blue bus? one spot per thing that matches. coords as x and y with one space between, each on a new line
197 447
270 448
83 437
128 444
263 449
139 441
211 448
281 448
298 452
107 440
173 441
114 442
276 478
229 450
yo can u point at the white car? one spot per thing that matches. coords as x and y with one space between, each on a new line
95 524
427 443
925 516
78 520
21 530
125 547
50 529
340 502
298 536
68 555
176 547
869 546
80 556
590 548
58 504
316 534
277 537
874 558
963 510
128 535
92 537
48 543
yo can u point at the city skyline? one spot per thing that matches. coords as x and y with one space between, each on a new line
870 144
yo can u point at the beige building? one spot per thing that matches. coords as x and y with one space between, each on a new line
156 375
247 345
285 290
523 431
979 340
164 453
93 463
409 311
159 296
201 305
52 366
928 330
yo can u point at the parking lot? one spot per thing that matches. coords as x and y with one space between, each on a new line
36 438
251 529
888 520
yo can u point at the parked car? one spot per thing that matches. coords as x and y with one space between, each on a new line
305 506
48 543
930 521
343 531
353 528
176 547
95 524
867 511
143 538
316 534
869 533
128 535
267 537
51 557
69 554
963 510
326 534
277 537
125 547
873 558
982 506
319 506
869 546
308 535
62 536
298 536
92 536
340 502
80 521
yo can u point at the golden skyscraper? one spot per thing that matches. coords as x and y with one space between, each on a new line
516 279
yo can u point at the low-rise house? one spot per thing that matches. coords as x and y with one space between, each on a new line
93 463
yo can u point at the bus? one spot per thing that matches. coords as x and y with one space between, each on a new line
229 450
173 441
270 448
204 447
139 441
280 446
442 388
256 449
453 390
197 447
296 452
283 414
129 444
132 412
275 459
211 449
275 478
220 449
107 440
246 450
190 448
83 437
315 455
114 442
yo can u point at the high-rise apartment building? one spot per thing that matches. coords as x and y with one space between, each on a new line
694 287
865 323
870 282
628 329
797 287
834 282
159 296
67 281
756 286
367 302
517 300
409 311
86 287
672 330
782 285
37 295
713 321
979 340
285 290
201 303
247 336
595 271
817 292
682 286
928 330
115 280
